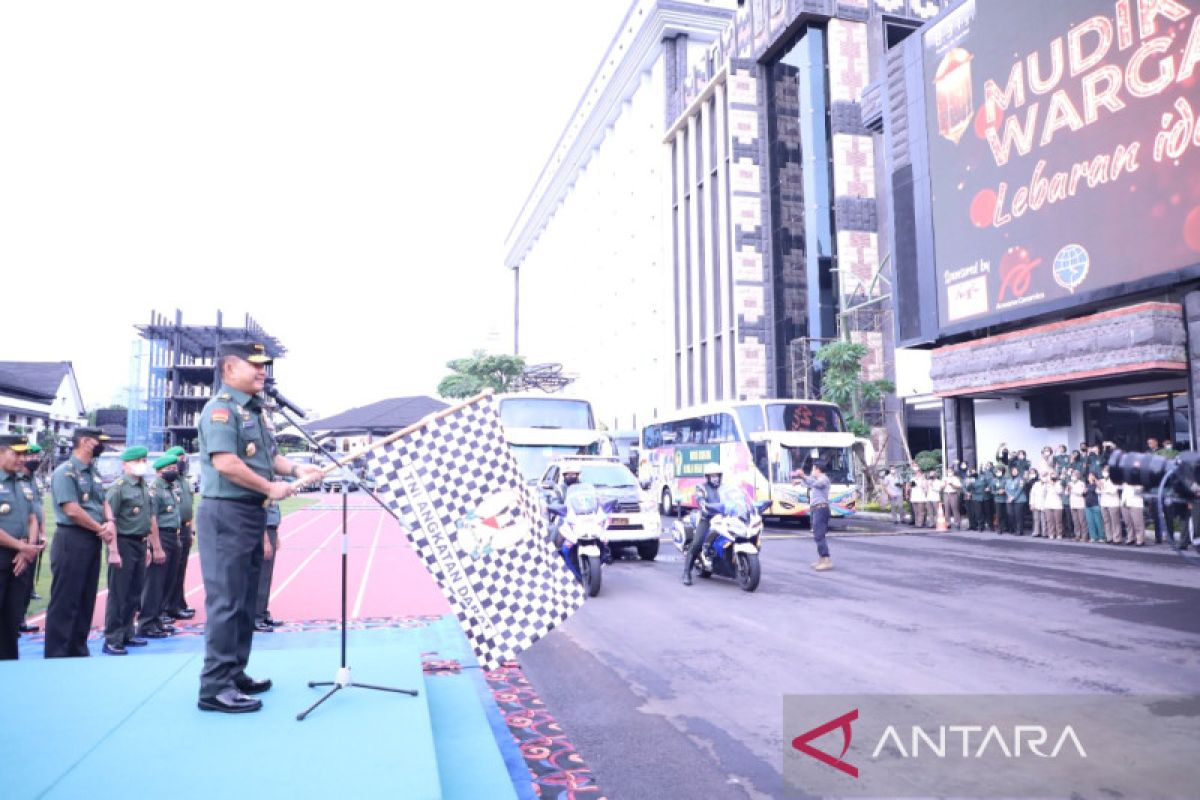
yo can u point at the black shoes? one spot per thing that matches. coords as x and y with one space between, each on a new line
135 641
25 627
687 577
263 627
229 701
114 650
247 685
154 633
274 623
183 613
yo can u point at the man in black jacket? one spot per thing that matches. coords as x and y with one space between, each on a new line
708 498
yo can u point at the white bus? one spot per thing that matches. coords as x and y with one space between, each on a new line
541 427
758 444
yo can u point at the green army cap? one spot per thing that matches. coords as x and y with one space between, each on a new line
134 453
176 452
165 460
13 441
253 352
34 449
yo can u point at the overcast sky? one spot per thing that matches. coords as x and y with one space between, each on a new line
345 172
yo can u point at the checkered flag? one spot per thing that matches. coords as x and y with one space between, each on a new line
479 528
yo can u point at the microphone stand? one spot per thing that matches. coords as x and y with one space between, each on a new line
342 679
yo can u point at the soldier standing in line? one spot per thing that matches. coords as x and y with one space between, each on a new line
165 493
238 461
130 506
82 532
262 614
29 465
1078 506
18 552
175 602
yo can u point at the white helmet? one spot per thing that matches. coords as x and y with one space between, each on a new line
712 469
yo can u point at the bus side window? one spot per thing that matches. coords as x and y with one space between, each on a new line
761 461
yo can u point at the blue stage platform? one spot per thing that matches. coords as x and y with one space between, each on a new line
129 727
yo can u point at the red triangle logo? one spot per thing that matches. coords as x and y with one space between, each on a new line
801 743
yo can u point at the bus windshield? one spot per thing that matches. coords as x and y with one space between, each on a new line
804 417
835 461
536 412
534 458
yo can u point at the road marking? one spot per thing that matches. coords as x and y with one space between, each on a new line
362 586
335 532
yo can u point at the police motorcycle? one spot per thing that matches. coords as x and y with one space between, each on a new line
579 523
736 531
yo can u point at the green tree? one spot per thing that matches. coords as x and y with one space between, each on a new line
929 459
470 376
842 383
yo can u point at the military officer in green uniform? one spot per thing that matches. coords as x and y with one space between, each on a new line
166 514
75 553
238 461
130 506
263 623
17 552
175 602
29 466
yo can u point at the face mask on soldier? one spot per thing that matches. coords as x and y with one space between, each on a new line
97 450
32 465
170 475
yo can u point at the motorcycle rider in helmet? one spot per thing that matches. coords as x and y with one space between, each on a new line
708 497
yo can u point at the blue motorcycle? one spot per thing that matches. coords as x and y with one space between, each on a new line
736 531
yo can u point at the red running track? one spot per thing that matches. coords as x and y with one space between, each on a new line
385 576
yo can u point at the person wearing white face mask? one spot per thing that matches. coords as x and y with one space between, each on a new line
130 506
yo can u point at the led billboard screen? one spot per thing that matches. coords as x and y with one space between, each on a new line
1064 151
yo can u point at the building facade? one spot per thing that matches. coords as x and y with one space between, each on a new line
755 213
588 251
1044 162
39 396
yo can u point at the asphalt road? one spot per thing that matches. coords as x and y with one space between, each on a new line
672 691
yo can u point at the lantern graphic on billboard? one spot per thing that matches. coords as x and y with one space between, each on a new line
952 87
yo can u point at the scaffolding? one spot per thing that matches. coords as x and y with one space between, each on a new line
173 374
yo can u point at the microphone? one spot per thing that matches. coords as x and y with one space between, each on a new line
275 394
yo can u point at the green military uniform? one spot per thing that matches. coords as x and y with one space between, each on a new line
74 554
229 524
176 603
262 614
40 513
1018 500
977 488
132 503
166 509
16 517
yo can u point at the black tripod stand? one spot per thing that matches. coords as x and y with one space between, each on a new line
342 680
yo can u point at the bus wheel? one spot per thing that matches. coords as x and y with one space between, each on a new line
665 505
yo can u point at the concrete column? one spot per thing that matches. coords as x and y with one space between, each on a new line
959 444
1191 322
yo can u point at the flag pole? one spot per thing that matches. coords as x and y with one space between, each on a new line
428 419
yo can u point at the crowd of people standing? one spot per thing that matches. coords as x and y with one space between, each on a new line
1062 495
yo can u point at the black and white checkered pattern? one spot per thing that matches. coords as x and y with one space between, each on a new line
434 479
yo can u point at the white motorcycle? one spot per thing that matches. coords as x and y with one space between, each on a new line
581 535
736 531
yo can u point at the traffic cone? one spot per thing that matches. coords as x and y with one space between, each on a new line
941 519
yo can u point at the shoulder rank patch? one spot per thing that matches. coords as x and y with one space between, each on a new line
220 415
225 396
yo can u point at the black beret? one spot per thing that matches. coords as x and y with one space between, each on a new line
254 352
